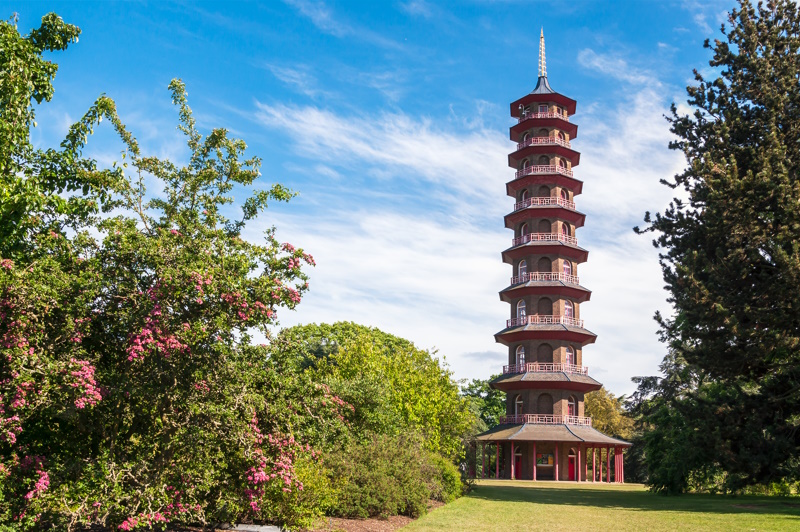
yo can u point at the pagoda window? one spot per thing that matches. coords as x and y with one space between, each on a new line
571 406
561 163
523 229
561 111
564 229
522 268
544 226
521 309
567 268
570 356
525 136
561 136
564 195
521 355
545 307
524 195
542 108
544 266
525 163
544 160
544 191
569 309
518 405
543 133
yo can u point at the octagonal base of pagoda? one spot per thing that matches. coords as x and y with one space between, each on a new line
576 292
549 433
535 331
550 380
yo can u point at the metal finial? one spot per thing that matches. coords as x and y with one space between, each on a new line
542 62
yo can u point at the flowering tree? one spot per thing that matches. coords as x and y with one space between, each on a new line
130 393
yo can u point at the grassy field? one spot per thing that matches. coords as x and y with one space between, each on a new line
520 505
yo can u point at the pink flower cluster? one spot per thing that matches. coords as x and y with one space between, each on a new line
147 519
154 337
43 482
83 373
20 397
10 427
200 281
6 263
202 386
293 294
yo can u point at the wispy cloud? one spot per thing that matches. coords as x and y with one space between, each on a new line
614 66
326 21
299 79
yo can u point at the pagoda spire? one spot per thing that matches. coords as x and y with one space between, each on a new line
542 62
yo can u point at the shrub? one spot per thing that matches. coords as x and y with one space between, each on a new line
382 476
445 482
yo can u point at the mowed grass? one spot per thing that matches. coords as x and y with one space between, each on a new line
520 505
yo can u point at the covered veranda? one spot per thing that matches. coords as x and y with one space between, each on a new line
558 452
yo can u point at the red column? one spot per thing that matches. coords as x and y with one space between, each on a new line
483 460
578 464
534 460
616 465
586 465
497 459
594 463
622 467
608 464
555 464
513 459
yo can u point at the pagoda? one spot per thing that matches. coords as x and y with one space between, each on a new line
545 434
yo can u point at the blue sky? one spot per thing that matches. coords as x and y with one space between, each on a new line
391 121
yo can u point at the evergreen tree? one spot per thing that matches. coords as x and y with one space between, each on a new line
731 261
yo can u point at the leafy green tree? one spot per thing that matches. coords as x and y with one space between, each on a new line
130 392
608 413
731 261
489 403
392 385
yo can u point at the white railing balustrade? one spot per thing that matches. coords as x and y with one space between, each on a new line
547 201
528 116
544 319
538 367
544 277
544 237
544 169
541 419
543 141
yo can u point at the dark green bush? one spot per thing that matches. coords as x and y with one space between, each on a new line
444 482
382 476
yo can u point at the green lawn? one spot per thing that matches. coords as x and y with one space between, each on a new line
520 505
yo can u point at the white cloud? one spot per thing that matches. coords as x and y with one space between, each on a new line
613 66
299 79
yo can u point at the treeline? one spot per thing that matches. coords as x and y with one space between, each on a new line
132 394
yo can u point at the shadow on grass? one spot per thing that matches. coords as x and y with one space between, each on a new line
637 499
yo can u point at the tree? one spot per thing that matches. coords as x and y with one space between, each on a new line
608 413
130 392
393 386
489 403
731 262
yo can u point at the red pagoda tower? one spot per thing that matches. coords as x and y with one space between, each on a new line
544 434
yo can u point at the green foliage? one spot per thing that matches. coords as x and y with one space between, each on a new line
130 393
383 476
393 386
608 413
489 403
731 262
446 484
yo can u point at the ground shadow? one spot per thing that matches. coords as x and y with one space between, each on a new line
616 496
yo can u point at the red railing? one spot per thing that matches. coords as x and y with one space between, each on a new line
544 319
543 141
541 419
544 202
548 276
528 116
544 169
537 367
544 237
